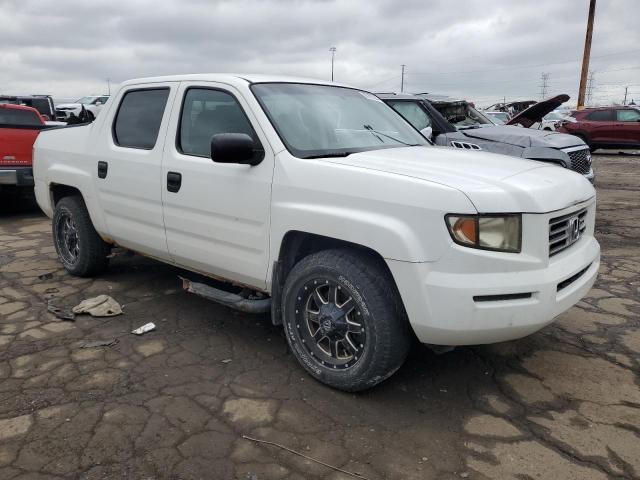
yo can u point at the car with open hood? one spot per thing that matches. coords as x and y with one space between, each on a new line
456 123
318 203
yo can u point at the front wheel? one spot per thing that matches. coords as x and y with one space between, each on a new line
80 249
344 320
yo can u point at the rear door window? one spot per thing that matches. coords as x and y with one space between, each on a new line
600 116
139 116
24 118
628 115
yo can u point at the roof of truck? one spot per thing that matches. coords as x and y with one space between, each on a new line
13 106
231 78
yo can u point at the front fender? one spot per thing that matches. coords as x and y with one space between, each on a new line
399 217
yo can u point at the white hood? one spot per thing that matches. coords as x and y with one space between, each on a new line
493 182
69 105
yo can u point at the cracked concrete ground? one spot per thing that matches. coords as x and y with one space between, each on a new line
561 404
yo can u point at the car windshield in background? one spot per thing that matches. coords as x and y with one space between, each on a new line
462 115
554 116
322 120
86 100
19 117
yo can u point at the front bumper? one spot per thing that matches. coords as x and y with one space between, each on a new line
16 176
462 303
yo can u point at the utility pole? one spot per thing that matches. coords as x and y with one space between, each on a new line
333 56
590 83
544 86
402 79
626 89
586 54
109 86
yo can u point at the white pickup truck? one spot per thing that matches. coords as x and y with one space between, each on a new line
329 208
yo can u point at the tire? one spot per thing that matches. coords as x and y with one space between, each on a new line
79 247
374 330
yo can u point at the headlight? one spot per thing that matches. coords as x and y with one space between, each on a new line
501 233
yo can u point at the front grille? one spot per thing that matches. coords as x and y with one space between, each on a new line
580 160
563 232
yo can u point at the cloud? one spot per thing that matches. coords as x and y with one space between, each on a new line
474 49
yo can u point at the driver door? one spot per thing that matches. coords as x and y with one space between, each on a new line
217 215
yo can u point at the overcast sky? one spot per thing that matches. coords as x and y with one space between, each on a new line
477 49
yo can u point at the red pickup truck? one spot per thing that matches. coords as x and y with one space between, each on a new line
19 127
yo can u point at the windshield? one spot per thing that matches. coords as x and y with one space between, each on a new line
499 116
86 100
461 114
554 116
323 120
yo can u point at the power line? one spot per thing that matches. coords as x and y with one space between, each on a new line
544 86
590 82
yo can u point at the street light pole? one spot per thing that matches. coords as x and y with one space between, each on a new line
586 55
333 55
402 79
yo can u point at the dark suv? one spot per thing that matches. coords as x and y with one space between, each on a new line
606 127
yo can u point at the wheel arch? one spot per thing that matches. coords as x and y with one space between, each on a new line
58 191
296 245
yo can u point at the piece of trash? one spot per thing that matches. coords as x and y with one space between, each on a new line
60 312
337 469
45 276
100 343
51 290
144 328
100 306
226 360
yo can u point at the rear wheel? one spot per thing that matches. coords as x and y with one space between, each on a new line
344 320
80 249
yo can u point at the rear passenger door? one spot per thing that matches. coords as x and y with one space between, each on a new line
600 127
128 166
216 215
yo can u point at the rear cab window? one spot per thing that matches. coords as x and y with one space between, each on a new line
19 118
139 116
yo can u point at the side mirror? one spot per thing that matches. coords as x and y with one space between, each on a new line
427 132
98 103
235 148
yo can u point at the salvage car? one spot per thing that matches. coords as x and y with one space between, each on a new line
511 108
324 207
91 105
455 123
19 127
606 127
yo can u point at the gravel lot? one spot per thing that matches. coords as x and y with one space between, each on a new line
561 404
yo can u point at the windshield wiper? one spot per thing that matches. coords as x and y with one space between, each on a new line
375 133
329 155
